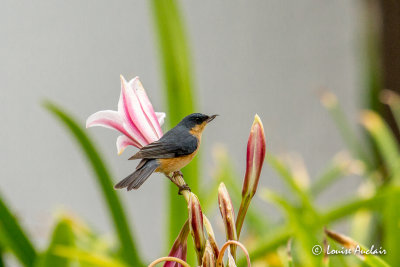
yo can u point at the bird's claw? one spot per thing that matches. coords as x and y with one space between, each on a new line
177 173
183 187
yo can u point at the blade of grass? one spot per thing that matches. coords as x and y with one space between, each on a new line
369 259
341 166
280 234
349 137
331 175
386 143
361 226
179 95
286 174
392 99
1 256
15 238
389 151
304 228
62 235
128 248
92 258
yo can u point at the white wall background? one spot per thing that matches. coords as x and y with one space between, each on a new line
265 57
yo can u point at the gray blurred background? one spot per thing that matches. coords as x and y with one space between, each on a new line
265 57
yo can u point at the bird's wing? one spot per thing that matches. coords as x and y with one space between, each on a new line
169 146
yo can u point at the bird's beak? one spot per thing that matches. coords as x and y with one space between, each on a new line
211 118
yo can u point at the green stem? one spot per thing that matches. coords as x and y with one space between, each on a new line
244 205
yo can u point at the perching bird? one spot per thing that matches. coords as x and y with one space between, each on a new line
175 149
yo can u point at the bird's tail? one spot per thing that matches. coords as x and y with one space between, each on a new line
145 168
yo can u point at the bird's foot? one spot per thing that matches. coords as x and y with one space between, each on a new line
183 187
177 173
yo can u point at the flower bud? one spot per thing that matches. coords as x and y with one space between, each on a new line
179 248
228 214
210 235
231 260
196 225
209 258
254 162
255 158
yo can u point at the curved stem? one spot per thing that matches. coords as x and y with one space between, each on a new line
230 242
180 261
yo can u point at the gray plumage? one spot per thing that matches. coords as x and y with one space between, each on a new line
137 178
177 142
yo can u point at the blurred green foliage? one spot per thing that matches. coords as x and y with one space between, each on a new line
13 237
127 245
375 206
179 92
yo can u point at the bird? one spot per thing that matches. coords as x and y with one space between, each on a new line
168 155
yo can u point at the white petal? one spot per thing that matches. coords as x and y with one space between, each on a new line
160 117
106 118
135 115
123 141
146 105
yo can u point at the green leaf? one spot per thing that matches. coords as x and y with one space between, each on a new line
391 225
91 258
128 248
305 225
1 256
280 234
386 143
388 148
62 235
14 237
369 259
357 149
337 169
286 174
177 72
392 99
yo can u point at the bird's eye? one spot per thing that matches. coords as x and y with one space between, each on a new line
198 120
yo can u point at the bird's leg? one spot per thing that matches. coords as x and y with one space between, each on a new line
182 186
170 177
177 173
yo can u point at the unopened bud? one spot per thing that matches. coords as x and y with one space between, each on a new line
228 214
179 248
209 258
196 225
256 147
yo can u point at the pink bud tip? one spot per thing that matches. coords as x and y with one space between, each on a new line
256 147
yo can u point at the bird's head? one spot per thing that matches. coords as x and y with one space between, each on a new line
196 122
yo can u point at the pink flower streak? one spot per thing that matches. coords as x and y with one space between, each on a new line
135 118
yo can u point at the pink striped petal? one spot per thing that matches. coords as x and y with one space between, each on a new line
109 119
128 124
123 141
146 105
135 113
160 117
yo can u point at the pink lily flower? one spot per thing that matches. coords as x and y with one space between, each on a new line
135 118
